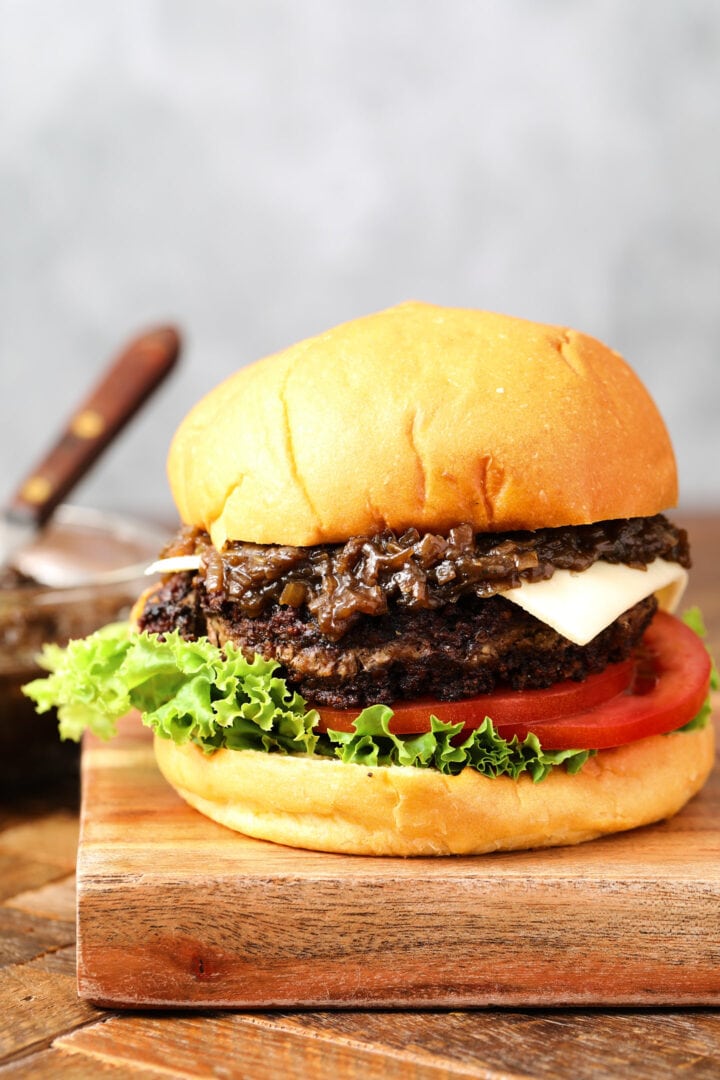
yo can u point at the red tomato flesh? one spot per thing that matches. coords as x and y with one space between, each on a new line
661 689
504 706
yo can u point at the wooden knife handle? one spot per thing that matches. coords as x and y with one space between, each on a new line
126 385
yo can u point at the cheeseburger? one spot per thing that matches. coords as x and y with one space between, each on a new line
421 600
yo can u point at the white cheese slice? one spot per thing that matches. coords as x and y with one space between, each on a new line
581 604
577 605
174 564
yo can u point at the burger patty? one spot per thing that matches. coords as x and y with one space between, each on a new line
455 651
340 585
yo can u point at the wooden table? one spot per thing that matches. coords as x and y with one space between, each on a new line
46 1031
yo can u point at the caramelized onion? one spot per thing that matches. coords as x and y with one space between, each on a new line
340 583
214 571
294 594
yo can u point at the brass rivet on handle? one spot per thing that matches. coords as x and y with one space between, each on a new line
88 424
36 489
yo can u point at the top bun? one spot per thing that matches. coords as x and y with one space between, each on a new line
422 416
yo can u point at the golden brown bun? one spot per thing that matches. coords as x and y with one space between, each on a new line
324 805
424 416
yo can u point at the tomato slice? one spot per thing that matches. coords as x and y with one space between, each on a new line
504 706
663 688
681 666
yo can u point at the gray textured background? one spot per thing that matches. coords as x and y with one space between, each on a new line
260 170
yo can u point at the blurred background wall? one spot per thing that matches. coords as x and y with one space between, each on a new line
260 170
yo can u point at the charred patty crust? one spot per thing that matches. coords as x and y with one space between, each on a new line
448 653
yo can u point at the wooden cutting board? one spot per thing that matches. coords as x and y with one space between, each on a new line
174 910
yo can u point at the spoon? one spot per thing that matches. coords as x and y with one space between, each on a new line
126 385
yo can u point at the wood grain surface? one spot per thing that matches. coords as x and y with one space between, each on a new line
46 1031
629 919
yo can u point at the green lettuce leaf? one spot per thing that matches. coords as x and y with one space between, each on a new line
187 691
484 750
84 684
192 691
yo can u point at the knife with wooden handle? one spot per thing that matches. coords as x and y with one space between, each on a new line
126 385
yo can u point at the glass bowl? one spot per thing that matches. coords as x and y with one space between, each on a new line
90 545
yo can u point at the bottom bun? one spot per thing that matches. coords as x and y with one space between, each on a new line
325 805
